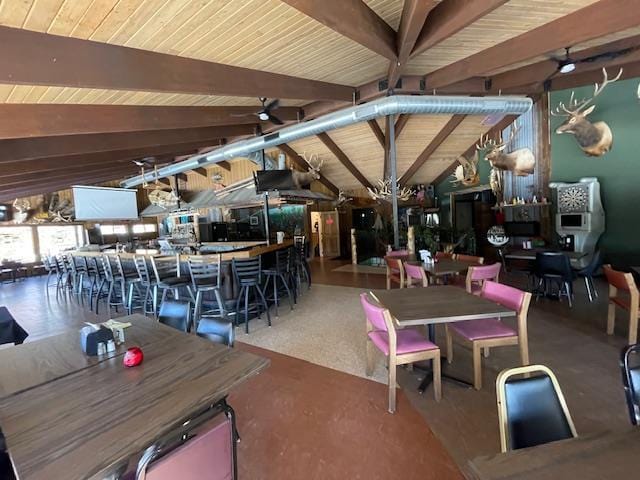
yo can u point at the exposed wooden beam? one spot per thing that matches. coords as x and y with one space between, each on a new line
353 19
628 51
449 17
401 122
414 15
630 70
42 120
440 137
492 132
34 58
224 164
32 179
181 176
300 162
344 159
596 20
61 145
201 171
377 131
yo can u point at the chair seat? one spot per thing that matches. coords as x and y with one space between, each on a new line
482 329
173 282
409 340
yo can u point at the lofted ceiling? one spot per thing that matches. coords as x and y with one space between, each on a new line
222 54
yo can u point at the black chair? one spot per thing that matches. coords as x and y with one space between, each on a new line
531 410
51 267
217 331
302 271
280 276
587 273
248 275
166 275
631 380
65 276
116 291
206 279
176 314
554 269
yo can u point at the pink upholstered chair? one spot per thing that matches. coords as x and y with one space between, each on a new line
476 276
395 271
399 347
492 332
416 276
398 253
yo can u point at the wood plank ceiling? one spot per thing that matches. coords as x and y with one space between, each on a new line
89 99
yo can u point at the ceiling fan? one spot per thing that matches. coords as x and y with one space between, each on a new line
264 114
568 64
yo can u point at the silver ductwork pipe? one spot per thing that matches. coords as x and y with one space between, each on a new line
394 105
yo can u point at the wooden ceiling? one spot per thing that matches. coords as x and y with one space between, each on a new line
88 86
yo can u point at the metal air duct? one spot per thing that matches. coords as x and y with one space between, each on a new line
394 105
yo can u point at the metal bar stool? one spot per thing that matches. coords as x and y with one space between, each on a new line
280 276
248 274
302 270
146 282
64 280
167 278
113 281
51 267
205 277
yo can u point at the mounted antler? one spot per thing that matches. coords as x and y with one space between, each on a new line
521 161
467 172
383 191
594 139
301 179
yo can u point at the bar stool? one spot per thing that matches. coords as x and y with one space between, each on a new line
205 277
167 278
78 271
51 267
96 272
112 281
248 274
280 275
147 283
302 270
64 280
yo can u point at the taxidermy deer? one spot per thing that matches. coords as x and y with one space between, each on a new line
467 172
302 179
520 162
23 208
595 139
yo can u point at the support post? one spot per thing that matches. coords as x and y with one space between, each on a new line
411 240
394 182
267 229
354 247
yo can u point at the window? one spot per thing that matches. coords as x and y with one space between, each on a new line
54 239
16 244
145 228
113 229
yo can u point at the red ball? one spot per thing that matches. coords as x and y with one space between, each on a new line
133 357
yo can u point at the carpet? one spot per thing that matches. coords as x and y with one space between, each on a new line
366 269
327 327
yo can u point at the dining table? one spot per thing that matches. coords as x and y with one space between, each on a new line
10 330
435 305
597 456
65 415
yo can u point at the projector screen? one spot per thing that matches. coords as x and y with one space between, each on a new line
101 203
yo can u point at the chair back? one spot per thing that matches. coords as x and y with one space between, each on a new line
92 266
378 317
283 260
506 296
248 271
442 255
398 253
415 275
72 265
176 314
619 280
630 366
106 267
479 274
164 267
395 264
217 331
143 270
532 410
119 267
594 264
470 258
555 264
204 274
49 266
62 263
202 447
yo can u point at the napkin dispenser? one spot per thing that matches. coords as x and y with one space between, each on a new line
90 338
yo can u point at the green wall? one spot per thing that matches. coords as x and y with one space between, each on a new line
445 187
618 171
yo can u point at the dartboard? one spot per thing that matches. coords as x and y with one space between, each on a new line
573 199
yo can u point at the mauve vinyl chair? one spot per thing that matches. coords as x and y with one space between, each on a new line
395 271
416 276
630 301
492 332
399 347
476 276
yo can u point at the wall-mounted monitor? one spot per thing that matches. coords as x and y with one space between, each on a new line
103 203
270 180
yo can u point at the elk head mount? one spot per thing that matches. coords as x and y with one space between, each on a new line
303 179
467 172
595 139
520 162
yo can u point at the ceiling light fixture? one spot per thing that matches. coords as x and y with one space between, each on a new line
567 65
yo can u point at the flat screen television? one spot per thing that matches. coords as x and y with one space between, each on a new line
6 213
270 180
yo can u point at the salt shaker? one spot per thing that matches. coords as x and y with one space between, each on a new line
111 346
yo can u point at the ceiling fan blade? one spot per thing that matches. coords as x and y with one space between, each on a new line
275 120
273 104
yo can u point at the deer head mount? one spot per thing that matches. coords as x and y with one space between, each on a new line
467 172
60 210
163 199
595 139
303 179
23 208
383 191
520 162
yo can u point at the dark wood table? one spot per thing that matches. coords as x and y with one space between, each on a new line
88 422
448 266
437 304
592 457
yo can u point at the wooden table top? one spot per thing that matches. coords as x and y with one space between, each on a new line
89 423
530 254
438 304
593 457
34 363
447 266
